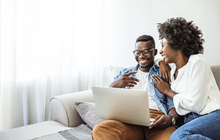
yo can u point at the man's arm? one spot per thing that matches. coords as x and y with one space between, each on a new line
173 113
164 121
124 80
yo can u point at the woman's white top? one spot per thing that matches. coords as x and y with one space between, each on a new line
144 85
196 87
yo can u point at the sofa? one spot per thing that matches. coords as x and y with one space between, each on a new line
64 114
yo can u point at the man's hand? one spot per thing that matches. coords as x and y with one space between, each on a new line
164 71
124 80
161 122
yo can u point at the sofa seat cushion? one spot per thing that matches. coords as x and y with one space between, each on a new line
32 131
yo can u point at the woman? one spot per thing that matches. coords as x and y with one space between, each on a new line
193 88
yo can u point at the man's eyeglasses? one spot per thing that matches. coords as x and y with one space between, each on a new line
145 52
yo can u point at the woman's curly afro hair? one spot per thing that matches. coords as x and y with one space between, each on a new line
182 35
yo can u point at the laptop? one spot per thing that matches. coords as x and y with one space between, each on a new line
124 105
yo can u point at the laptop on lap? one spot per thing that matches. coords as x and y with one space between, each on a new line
125 105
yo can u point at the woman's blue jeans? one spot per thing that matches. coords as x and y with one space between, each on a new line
199 127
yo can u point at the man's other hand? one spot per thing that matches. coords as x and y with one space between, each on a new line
124 80
161 122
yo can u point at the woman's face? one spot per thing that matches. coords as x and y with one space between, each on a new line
168 54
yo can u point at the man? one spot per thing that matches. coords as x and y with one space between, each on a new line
161 106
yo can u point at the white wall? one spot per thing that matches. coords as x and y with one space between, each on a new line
125 20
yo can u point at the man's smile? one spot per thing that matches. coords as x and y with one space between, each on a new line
143 61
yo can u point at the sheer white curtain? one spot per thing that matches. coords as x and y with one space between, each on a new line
47 48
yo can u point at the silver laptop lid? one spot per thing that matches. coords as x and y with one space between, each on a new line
125 105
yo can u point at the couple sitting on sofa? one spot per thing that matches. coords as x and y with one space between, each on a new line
193 94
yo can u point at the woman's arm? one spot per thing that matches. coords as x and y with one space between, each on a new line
195 90
164 69
193 97
162 86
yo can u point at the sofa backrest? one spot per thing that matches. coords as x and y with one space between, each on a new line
216 73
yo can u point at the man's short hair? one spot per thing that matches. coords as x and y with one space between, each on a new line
146 38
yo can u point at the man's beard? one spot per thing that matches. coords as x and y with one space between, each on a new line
150 65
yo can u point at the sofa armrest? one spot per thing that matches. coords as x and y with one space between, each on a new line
62 107
215 71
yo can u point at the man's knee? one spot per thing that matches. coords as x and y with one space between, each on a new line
116 130
158 134
105 130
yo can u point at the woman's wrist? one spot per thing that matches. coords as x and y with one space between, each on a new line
170 93
166 92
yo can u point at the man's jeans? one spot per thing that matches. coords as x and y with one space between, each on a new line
199 127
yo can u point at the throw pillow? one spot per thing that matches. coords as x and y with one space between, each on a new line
116 69
87 112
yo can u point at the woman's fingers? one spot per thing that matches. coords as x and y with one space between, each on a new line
156 79
166 77
153 83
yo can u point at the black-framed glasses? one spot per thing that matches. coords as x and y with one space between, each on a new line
145 52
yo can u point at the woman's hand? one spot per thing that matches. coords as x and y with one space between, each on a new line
160 84
161 122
